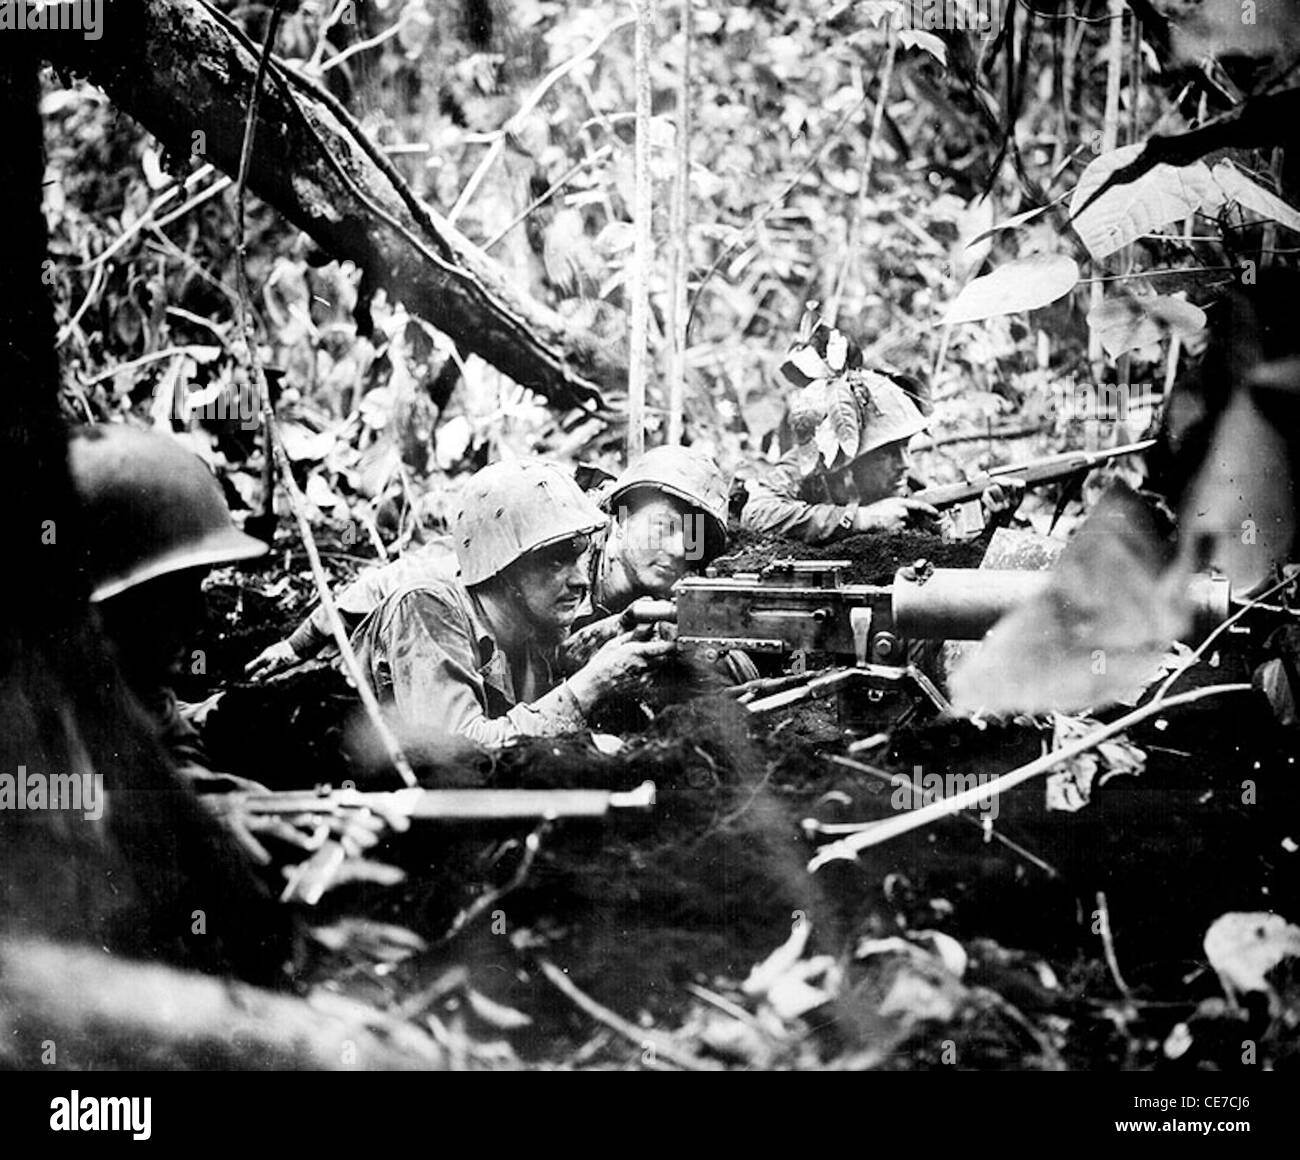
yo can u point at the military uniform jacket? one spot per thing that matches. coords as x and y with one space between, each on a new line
788 503
430 651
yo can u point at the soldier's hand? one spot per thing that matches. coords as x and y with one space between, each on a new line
619 665
582 645
1000 501
895 514
271 660
354 830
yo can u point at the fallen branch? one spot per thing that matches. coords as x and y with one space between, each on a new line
644 1038
1108 945
275 444
532 844
894 827
182 69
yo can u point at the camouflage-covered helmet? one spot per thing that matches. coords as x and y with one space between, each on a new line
150 507
511 509
838 421
889 415
686 473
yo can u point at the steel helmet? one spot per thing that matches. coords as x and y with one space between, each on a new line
886 414
149 507
510 509
689 475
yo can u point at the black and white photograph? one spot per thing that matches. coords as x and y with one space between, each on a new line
650 535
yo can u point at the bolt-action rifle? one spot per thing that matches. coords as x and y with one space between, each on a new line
309 880
1049 469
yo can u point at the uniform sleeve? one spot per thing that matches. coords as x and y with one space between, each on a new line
428 650
311 635
775 507
355 602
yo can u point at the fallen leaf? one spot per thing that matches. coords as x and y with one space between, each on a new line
1243 947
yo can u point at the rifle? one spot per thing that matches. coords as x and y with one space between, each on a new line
309 880
451 805
1046 470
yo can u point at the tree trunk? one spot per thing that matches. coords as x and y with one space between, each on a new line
186 77
135 878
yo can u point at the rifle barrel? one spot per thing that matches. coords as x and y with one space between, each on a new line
451 805
1045 470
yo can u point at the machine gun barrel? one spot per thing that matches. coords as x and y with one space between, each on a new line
1036 471
803 606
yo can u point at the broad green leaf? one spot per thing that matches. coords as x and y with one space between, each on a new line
843 416
1125 322
1011 223
1025 284
1254 197
1122 215
910 38
827 441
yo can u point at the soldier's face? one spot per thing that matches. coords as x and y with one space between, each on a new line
152 625
882 473
655 536
551 583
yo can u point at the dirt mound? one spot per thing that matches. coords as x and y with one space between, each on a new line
873 557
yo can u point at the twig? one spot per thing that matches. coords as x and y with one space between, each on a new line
96 284
162 244
558 184
1218 631
679 232
275 445
860 211
1108 945
322 34
532 844
1014 847
197 200
1109 139
739 811
722 1003
660 1044
143 360
362 45
762 214
638 371
530 103
445 259
136 226
894 827
1159 273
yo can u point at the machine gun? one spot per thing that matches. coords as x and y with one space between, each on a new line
801 614
309 880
